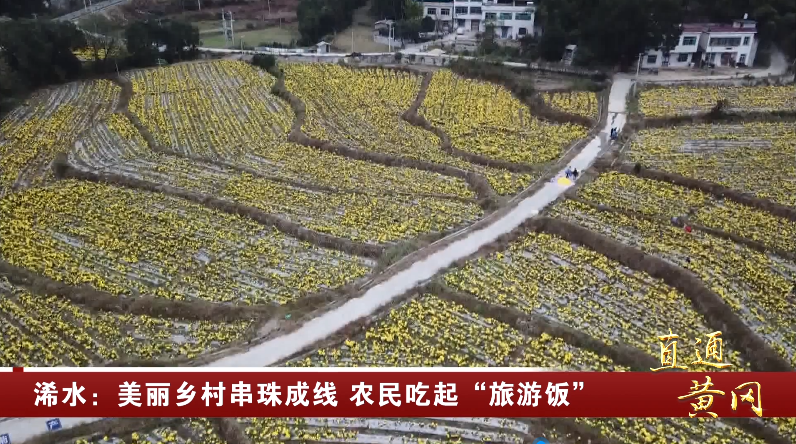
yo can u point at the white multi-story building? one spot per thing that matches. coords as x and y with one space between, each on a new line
512 18
723 45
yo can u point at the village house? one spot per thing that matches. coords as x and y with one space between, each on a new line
708 43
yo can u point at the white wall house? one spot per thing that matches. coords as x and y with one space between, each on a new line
724 45
442 12
729 45
512 18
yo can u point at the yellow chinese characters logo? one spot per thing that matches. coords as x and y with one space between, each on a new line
756 407
714 352
703 396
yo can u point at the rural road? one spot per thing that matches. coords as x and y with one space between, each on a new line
270 352
94 8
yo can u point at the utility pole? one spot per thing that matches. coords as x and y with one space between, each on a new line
224 26
232 27
199 4
352 40
638 68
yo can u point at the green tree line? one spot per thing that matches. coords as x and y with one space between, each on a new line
37 52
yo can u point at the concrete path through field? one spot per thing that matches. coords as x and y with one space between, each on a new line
267 353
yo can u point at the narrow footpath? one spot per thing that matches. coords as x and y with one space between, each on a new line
270 352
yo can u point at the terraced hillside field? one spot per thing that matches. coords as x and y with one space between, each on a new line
49 122
136 243
363 108
185 213
685 100
753 157
218 130
432 331
581 103
50 331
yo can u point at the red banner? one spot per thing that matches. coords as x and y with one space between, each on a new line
358 392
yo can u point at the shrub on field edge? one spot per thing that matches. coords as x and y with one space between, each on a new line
266 62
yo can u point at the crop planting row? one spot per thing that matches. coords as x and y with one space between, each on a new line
485 118
753 157
108 143
680 100
359 216
129 243
231 115
49 331
755 285
187 431
428 331
115 145
362 109
353 430
575 286
32 134
581 103
384 430
209 109
665 200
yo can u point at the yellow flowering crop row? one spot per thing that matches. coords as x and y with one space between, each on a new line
355 216
666 200
224 109
48 124
96 338
678 100
484 118
417 333
363 109
582 103
580 288
424 332
128 242
209 109
200 430
755 285
754 157
367 217
279 430
108 143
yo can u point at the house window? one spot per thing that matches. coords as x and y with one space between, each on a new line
522 31
431 11
725 41
491 16
746 41
682 57
523 16
742 59
652 59
505 16
461 10
445 11
475 10
689 41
